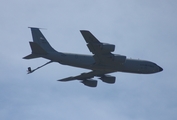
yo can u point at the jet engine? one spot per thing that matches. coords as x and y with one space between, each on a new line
90 82
119 59
108 79
104 47
107 47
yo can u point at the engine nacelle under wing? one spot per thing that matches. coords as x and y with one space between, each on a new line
107 47
119 59
90 82
108 79
101 48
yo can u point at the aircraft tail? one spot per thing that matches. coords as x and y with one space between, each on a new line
39 46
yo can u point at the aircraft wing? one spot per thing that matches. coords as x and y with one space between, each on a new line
102 51
85 76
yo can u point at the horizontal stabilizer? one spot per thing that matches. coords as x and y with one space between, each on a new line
31 56
37 51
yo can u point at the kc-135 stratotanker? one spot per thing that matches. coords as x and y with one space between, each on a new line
101 63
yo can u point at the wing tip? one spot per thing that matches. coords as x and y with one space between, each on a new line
37 28
67 79
84 31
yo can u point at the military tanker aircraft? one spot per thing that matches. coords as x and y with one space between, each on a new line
101 63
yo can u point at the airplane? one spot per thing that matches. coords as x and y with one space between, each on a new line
101 63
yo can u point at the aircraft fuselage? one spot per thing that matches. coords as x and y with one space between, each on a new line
88 62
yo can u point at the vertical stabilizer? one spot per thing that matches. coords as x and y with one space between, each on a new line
40 46
39 38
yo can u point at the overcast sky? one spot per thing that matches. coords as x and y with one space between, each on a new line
139 29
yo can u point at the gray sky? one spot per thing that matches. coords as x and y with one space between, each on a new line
139 29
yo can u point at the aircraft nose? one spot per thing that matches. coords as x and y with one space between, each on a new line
160 69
